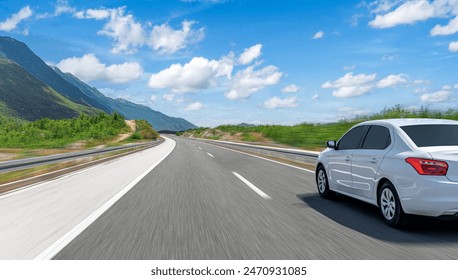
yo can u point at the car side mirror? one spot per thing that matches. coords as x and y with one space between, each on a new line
331 144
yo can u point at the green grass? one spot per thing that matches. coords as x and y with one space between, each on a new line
47 133
314 136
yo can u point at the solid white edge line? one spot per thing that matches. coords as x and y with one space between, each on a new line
210 155
271 160
253 187
72 234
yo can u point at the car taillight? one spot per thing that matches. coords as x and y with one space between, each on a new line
428 166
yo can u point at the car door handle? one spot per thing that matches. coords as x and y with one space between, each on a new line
374 160
347 158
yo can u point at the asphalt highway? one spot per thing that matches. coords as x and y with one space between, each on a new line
207 202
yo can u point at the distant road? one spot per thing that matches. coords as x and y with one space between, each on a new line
207 202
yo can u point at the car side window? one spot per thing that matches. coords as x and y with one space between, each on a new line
351 139
377 138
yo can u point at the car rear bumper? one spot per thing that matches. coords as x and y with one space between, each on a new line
431 196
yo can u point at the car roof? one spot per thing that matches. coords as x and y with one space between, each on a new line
410 121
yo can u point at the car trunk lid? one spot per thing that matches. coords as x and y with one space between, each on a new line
448 154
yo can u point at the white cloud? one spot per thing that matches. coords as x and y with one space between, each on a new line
248 81
408 13
11 22
456 86
453 46
166 40
392 81
198 74
89 68
315 97
250 54
168 97
352 86
97 14
128 34
290 89
450 28
63 7
276 102
318 35
194 106
153 98
439 96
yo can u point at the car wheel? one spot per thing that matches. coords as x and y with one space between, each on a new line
322 183
390 206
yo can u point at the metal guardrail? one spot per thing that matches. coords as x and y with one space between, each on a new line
296 155
20 164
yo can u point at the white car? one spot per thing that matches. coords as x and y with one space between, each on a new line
403 166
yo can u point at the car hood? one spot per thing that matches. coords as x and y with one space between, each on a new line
448 154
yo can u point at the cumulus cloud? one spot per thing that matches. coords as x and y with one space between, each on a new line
453 46
194 106
153 98
250 54
408 13
248 81
318 35
62 7
11 23
201 74
352 86
129 34
290 89
89 68
439 96
277 102
450 28
315 97
392 81
166 40
394 13
198 74
97 14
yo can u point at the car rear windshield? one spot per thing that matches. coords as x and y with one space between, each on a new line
433 134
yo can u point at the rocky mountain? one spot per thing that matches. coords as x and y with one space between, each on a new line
74 95
24 96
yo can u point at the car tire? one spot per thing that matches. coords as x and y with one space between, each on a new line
390 206
322 183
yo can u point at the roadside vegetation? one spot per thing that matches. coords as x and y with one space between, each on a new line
306 135
144 132
54 134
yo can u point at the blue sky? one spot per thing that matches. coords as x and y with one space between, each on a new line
231 61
